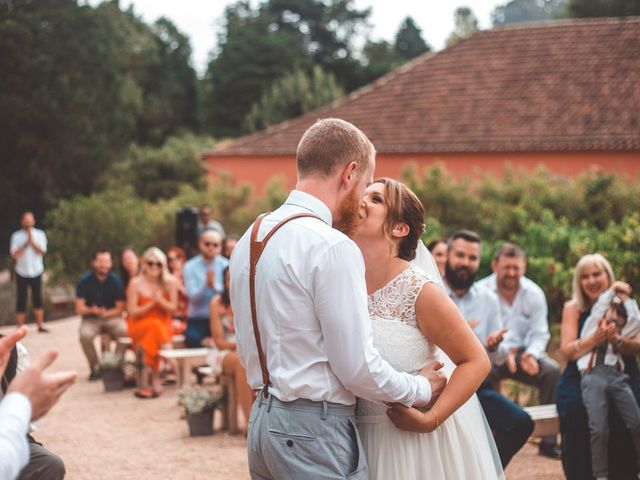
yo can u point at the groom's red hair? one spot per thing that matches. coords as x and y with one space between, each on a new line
329 144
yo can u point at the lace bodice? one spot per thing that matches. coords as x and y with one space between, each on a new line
396 334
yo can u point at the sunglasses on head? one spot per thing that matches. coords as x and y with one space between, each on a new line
171 259
211 244
151 263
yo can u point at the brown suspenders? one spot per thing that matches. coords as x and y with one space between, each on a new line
255 251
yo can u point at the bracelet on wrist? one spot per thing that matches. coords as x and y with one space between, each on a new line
436 418
577 346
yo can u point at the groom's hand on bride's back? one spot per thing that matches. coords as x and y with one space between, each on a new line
433 373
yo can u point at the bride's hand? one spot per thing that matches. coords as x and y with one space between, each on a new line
411 419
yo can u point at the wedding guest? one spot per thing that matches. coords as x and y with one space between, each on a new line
129 265
206 222
438 249
42 462
228 244
510 424
592 276
203 278
29 396
100 303
523 309
151 299
28 247
176 257
223 357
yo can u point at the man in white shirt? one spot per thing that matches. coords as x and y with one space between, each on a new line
523 309
313 321
30 395
206 222
510 424
27 247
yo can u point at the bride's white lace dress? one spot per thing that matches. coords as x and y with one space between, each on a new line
462 447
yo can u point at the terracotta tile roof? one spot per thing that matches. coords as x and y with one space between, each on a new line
567 85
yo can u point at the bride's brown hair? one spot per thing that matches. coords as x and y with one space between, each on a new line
403 207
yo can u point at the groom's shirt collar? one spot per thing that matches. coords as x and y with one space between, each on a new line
309 202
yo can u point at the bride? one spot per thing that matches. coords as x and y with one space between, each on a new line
414 323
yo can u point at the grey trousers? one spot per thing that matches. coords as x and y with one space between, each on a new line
545 380
303 440
605 384
43 465
90 327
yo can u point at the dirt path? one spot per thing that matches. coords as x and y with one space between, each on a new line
117 436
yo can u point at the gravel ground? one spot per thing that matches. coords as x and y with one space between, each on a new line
117 436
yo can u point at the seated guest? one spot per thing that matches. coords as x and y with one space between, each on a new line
223 357
592 276
510 424
129 266
523 309
228 244
42 463
100 302
151 299
175 261
438 249
203 279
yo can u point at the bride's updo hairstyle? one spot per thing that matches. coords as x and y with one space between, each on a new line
403 207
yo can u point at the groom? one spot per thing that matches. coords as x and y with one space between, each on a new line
313 352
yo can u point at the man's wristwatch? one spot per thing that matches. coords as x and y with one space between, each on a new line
618 342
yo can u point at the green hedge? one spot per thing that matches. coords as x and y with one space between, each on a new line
556 220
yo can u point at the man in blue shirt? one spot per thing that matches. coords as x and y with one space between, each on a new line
203 279
100 302
510 424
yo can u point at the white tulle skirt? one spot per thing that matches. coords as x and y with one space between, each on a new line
461 448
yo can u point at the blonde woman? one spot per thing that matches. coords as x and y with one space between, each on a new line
592 276
152 297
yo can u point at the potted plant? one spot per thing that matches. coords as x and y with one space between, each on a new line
111 368
199 404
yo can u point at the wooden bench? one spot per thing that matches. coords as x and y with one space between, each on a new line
182 356
230 406
545 420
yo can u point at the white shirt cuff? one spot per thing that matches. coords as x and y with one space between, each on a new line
424 392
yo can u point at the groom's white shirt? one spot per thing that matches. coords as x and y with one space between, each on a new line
312 314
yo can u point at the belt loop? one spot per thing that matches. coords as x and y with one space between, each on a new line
270 399
324 410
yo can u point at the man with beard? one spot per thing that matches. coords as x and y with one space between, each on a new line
510 424
523 309
302 326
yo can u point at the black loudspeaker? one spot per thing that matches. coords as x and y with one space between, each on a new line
187 230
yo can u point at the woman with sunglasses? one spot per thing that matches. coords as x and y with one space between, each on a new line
152 298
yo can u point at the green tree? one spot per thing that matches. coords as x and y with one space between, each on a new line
465 25
241 72
603 8
68 108
517 11
409 42
291 34
291 96
160 172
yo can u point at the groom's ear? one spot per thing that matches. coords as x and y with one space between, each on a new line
400 230
348 174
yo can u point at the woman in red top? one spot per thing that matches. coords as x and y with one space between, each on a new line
152 298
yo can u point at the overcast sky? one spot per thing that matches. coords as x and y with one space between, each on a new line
201 19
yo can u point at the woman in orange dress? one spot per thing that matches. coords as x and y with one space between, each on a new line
152 297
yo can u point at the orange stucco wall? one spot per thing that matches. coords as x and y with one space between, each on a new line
258 170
